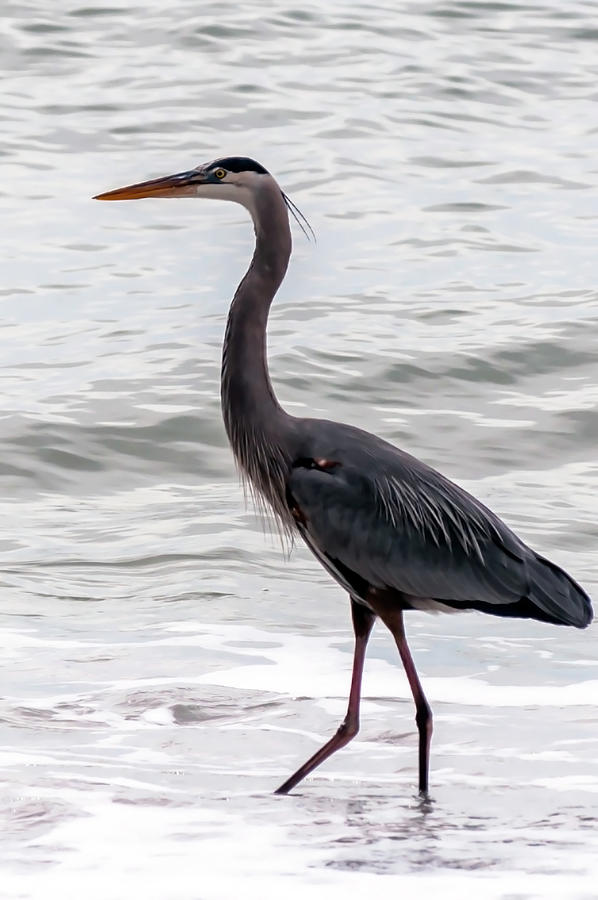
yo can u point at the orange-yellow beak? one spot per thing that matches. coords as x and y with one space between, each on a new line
182 185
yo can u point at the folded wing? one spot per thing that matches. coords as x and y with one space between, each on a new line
403 526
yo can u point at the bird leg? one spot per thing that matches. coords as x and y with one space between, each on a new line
363 622
393 619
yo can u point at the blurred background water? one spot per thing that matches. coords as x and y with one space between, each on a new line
163 666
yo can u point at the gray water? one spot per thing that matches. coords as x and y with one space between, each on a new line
164 666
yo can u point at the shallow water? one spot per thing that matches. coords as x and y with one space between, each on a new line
163 666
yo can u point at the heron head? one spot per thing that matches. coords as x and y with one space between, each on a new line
236 178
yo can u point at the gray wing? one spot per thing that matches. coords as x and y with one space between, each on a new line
386 520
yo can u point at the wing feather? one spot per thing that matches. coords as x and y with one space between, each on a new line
402 525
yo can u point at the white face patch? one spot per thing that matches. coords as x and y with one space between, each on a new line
220 191
238 187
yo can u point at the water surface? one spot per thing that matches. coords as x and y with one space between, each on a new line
163 666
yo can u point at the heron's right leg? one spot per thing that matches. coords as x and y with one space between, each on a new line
363 622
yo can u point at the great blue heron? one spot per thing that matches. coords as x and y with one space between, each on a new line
393 532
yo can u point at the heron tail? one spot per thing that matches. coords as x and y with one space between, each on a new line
557 594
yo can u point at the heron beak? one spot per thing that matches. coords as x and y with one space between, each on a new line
181 185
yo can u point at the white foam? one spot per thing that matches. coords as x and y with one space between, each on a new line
161 853
311 666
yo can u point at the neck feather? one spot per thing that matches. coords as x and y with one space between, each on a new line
256 425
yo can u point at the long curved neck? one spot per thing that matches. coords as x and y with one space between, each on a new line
255 422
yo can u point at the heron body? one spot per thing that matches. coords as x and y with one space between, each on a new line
394 533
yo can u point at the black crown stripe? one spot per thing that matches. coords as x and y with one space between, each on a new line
239 164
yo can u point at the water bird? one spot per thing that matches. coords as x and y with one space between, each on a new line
393 532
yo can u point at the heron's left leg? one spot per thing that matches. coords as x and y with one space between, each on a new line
363 622
393 619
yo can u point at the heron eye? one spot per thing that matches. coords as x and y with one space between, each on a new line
219 173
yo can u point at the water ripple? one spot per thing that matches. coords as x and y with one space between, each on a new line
163 665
